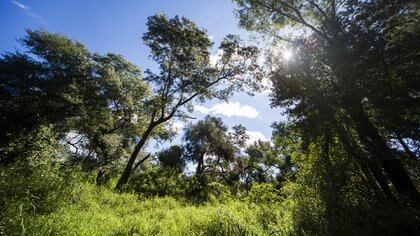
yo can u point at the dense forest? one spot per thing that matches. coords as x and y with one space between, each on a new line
76 126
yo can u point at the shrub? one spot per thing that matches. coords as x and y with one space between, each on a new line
263 193
32 184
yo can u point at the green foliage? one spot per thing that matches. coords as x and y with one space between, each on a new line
182 50
33 184
329 197
158 181
263 163
342 79
216 192
172 158
263 193
98 99
42 199
208 137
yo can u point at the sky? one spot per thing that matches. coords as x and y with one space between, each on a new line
117 26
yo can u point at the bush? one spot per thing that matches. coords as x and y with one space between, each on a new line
32 184
263 193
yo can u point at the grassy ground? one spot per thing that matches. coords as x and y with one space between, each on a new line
98 211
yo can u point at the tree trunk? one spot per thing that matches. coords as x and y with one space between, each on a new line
383 154
100 177
330 191
105 158
129 167
200 165
372 173
407 150
377 172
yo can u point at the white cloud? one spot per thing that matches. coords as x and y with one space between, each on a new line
178 126
215 57
202 109
255 136
21 5
36 16
29 11
229 109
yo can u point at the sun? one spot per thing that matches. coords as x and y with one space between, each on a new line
287 54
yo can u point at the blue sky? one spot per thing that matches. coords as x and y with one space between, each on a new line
117 26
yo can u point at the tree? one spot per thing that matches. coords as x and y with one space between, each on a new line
261 163
338 64
42 86
112 115
209 144
173 163
38 86
172 158
239 135
94 101
181 50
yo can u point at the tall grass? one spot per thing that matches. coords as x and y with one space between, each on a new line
100 211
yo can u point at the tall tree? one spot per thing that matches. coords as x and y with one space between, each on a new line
346 50
112 115
209 144
181 50
41 86
96 100
173 162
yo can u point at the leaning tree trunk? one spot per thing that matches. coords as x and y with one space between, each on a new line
370 169
407 150
331 191
384 155
129 167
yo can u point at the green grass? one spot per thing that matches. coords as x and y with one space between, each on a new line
99 211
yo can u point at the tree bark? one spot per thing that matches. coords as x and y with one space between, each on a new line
152 125
200 165
377 146
331 190
129 167
100 177
372 172
407 150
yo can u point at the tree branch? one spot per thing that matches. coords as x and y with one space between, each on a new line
318 8
140 162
